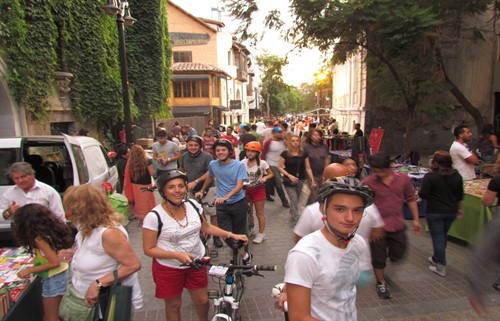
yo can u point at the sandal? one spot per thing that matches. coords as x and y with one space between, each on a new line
496 285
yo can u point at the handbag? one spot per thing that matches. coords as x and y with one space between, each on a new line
287 181
73 308
115 301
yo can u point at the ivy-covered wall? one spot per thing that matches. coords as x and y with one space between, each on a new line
39 37
149 53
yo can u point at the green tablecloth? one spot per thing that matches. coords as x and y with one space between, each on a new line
470 226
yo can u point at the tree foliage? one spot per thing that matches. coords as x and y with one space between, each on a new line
400 38
272 84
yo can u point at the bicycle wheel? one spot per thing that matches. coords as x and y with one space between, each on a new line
225 308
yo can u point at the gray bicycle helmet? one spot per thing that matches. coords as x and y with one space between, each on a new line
166 177
195 138
223 142
346 185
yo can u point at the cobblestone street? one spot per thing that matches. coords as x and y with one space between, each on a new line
417 293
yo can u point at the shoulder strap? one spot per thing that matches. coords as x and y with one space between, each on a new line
160 223
196 209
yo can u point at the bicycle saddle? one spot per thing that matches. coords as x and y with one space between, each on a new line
234 244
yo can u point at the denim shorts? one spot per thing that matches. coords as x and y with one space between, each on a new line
54 286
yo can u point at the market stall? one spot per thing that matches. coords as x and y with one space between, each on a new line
20 299
476 215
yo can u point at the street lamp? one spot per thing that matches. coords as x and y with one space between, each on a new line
121 10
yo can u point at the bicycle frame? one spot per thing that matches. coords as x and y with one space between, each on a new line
227 299
231 295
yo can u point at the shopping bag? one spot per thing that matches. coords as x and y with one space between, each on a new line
115 303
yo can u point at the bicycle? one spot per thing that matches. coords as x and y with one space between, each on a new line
227 300
276 292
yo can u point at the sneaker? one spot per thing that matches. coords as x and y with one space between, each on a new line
496 285
438 269
218 242
270 198
286 205
431 261
261 237
253 232
383 291
248 260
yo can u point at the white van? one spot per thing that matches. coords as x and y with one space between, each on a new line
60 161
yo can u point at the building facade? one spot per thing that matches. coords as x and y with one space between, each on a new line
210 69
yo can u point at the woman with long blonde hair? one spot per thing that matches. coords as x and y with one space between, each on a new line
101 247
293 168
137 175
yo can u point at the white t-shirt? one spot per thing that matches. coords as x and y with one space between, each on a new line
276 147
174 237
459 153
267 133
90 262
260 127
255 173
330 272
310 221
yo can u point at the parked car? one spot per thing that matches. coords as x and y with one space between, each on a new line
60 161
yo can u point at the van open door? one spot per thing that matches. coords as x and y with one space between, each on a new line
78 164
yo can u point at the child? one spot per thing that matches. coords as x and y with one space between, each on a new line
37 228
258 172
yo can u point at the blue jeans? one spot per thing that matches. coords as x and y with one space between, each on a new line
439 224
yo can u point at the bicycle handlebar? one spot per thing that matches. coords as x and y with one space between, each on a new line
198 263
148 189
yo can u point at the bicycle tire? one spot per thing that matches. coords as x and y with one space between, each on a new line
225 308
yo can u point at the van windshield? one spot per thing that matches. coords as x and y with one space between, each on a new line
7 157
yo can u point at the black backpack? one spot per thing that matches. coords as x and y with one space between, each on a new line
202 235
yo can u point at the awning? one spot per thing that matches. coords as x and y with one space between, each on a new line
190 111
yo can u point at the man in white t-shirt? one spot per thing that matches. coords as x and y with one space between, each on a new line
464 160
322 270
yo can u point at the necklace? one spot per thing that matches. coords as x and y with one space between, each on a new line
169 212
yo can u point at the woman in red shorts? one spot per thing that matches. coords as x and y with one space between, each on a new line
258 172
171 236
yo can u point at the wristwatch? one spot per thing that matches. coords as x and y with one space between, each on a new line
6 214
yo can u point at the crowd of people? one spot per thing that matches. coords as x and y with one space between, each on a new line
344 231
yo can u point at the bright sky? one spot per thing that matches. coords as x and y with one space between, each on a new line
301 65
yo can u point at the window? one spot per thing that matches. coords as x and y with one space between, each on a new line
191 88
215 86
98 166
81 165
183 56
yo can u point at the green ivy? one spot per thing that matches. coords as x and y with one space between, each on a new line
42 36
29 38
149 55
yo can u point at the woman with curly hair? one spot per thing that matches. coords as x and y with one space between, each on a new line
44 235
138 174
102 247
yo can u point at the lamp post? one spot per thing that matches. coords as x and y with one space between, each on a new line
121 10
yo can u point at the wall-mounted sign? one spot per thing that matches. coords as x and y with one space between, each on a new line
234 104
187 39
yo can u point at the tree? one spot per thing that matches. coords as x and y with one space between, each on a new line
401 37
270 67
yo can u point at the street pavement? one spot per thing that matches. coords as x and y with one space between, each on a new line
417 293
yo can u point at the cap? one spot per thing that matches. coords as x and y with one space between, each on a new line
277 130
